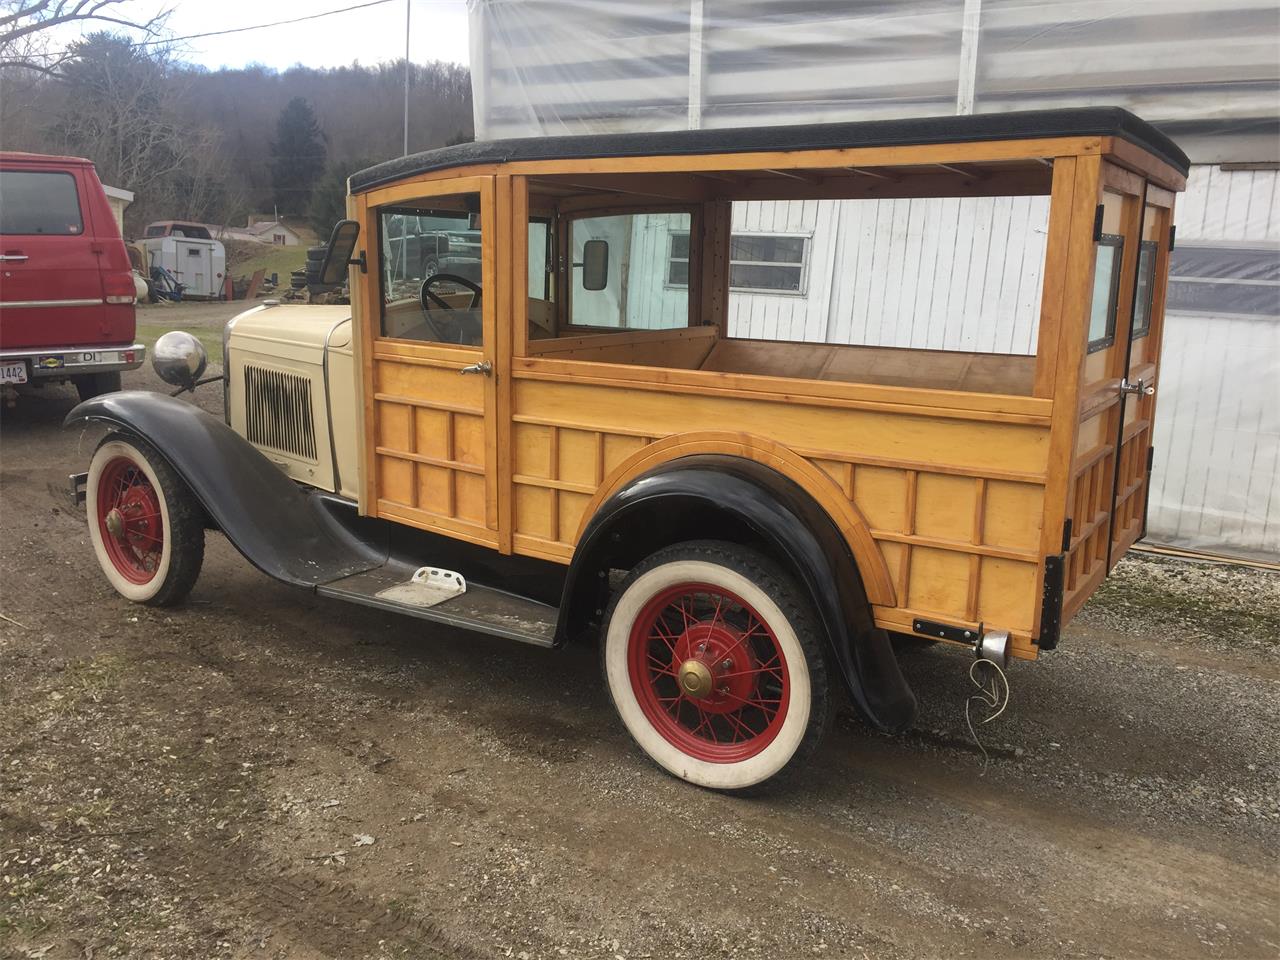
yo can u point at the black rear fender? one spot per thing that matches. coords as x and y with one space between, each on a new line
279 528
726 498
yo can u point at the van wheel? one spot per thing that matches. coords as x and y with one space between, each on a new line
92 385
146 527
712 658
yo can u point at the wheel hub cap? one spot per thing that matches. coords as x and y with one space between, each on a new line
115 523
695 679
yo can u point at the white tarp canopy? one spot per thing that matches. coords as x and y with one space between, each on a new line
1206 71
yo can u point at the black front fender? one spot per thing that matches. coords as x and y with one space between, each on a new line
729 498
279 528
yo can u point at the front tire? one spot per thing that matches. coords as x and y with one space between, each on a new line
712 658
146 527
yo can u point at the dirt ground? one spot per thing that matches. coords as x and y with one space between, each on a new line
265 773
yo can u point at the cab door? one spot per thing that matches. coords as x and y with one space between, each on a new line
429 358
1134 449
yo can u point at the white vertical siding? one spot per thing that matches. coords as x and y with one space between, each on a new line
1216 479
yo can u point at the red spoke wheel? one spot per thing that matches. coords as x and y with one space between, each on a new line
711 657
147 530
129 520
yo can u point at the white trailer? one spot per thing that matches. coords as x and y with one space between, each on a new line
199 265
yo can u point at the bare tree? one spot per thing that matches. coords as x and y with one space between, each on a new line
25 26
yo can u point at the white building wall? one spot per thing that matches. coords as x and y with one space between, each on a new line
1216 480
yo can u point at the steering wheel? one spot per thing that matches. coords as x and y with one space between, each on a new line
428 297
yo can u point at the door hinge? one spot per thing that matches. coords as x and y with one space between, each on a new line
1051 603
1066 535
1173 235
1097 224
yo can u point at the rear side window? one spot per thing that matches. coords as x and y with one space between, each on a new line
35 202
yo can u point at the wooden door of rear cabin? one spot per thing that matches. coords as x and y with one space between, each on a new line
1112 461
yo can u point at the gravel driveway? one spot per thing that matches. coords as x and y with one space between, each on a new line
265 773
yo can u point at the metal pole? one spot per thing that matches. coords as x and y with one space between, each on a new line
966 89
406 76
696 63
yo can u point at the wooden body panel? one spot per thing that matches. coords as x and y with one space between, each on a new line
953 506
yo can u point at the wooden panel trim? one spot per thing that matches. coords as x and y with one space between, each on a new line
403 351
552 483
1076 194
898 620
1128 155
623 338
542 549
447 463
429 404
459 529
907 400
956 546
846 516
849 459
910 155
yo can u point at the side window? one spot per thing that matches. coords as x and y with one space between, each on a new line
1146 273
431 270
1106 287
34 202
542 306
950 274
637 293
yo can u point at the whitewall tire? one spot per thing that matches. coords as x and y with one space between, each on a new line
146 528
712 658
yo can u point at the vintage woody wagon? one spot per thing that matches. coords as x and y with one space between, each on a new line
592 439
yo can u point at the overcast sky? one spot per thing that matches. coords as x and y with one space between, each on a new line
439 31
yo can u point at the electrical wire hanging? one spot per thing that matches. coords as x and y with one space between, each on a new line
993 696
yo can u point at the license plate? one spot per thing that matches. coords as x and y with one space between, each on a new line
13 373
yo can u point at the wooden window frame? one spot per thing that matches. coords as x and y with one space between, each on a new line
1108 339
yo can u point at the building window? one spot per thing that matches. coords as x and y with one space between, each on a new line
758 263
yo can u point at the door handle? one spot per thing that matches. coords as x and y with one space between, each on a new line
1138 388
13 256
484 367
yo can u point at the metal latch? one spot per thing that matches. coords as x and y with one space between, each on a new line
484 367
1137 388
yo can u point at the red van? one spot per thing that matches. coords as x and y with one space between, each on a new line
66 285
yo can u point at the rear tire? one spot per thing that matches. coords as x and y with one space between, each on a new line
92 385
713 661
146 527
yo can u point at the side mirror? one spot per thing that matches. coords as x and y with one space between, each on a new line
179 359
595 264
342 243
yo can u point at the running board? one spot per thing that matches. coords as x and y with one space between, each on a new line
480 608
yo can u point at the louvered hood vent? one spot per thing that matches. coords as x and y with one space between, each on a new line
278 411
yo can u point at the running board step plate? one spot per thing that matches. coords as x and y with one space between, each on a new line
480 608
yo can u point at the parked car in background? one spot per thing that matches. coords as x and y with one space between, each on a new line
66 285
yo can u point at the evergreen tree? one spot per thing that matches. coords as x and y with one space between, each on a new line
297 156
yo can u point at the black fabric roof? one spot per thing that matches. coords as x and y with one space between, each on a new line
1016 125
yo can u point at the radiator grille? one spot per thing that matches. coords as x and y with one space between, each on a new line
278 411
